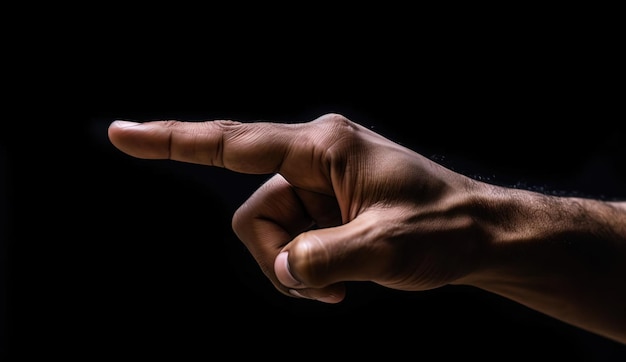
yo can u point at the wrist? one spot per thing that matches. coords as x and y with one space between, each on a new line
529 233
558 255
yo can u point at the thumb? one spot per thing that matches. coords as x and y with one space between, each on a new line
325 258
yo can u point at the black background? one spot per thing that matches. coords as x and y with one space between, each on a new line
110 256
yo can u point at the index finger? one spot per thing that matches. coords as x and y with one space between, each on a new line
255 148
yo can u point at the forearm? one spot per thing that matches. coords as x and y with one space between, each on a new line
565 257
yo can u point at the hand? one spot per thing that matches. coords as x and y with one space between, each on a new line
346 204
343 204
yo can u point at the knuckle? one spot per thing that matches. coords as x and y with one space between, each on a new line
309 260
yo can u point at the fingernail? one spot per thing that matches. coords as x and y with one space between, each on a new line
124 124
281 268
296 293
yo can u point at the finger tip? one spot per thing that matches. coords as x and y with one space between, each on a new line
115 128
331 299
139 140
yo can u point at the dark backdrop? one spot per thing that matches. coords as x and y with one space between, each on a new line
110 256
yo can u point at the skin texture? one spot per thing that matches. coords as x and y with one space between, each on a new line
346 204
